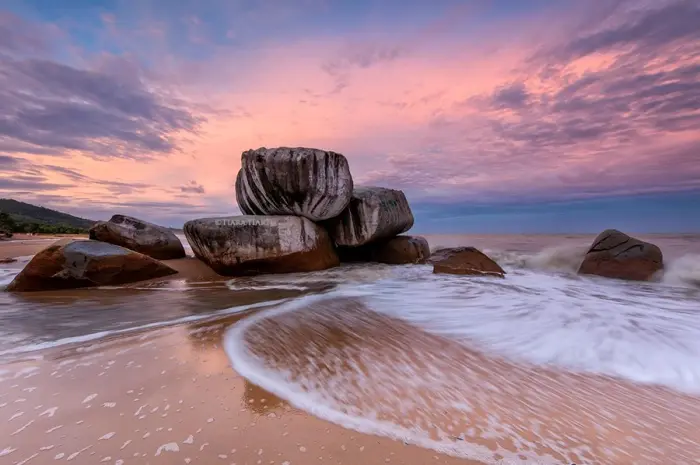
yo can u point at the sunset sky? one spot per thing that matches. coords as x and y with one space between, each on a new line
492 116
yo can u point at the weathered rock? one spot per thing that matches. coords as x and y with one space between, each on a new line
250 245
5 261
614 254
465 261
71 264
373 213
399 250
300 181
140 236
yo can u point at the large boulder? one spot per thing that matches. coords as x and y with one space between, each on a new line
71 264
300 181
465 261
373 213
138 235
399 250
250 245
614 254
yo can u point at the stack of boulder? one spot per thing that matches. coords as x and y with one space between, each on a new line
302 212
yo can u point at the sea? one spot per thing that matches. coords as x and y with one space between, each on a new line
346 344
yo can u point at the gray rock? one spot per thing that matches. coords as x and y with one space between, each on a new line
373 213
140 236
399 250
71 264
614 254
300 181
250 245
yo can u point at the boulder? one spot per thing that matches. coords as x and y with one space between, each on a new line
399 250
373 213
5 261
465 261
71 264
614 254
140 236
312 183
250 245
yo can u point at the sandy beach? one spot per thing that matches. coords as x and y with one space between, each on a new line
170 371
167 397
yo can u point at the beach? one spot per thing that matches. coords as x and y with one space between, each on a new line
359 364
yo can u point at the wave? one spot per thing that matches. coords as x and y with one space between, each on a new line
29 348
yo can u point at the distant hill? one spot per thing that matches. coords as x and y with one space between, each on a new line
25 217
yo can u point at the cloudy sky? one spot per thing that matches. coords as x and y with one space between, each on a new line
492 116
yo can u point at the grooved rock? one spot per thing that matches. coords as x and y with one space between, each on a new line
399 250
140 236
312 183
373 213
465 261
614 254
71 264
250 245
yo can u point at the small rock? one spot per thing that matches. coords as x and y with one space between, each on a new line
614 254
399 250
140 236
465 261
71 264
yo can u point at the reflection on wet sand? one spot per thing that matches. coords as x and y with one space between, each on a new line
166 397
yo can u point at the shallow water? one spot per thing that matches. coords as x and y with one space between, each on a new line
517 368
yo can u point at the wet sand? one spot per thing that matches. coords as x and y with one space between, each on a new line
167 397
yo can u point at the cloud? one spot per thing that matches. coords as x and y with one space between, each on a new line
659 26
192 188
18 35
53 108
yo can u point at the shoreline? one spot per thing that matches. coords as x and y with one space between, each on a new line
169 396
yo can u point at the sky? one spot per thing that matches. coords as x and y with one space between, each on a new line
493 116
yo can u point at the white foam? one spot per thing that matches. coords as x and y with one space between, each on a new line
160 324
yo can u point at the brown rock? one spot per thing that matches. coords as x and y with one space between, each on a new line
465 261
614 254
71 264
140 236
399 250
5 261
249 245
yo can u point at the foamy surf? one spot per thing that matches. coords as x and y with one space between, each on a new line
334 356
30 348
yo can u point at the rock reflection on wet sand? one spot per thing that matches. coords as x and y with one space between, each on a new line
167 397
371 372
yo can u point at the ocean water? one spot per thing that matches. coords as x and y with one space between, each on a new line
437 360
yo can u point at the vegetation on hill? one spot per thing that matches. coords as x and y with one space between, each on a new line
20 217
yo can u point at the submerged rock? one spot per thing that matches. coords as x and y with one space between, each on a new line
614 254
373 213
250 245
399 250
465 261
312 183
140 236
71 264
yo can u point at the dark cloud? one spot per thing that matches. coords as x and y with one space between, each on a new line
192 188
656 27
48 107
512 96
17 183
